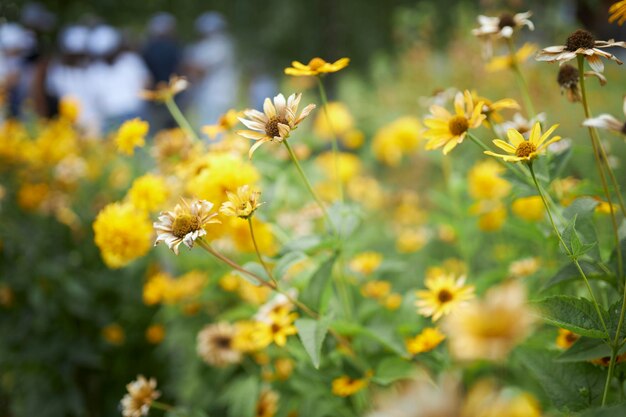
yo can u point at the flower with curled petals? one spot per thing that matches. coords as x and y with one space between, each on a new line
166 91
316 66
276 121
503 26
141 393
185 224
582 43
608 122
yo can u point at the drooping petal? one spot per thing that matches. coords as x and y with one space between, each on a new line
595 62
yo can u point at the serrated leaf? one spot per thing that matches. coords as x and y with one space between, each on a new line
312 294
312 334
575 314
570 273
582 210
585 349
390 370
570 386
615 411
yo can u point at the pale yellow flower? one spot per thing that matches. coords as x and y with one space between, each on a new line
241 204
529 208
524 267
215 345
485 181
141 393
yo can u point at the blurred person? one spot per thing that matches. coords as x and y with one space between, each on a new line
68 76
210 64
15 42
117 77
162 54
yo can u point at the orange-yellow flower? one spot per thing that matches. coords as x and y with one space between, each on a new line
316 66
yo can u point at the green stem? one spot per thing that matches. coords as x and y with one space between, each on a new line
567 250
335 141
161 406
308 185
521 82
180 118
258 253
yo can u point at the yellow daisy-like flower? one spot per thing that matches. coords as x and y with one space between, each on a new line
426 341
122 233
344 386
166 91
185 224
485 183
445 293
141 393
148 192
524 150
281 325
241 204
617 12
448 130
276 121
316 66
252 336
131 135
492 109
505 62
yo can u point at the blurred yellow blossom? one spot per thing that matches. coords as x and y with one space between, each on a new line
366 262
69 108
252 336
377 289
409 240
617 12
226 122
155 333
426 341
30 196
566 338
131 135
529 208
367 191
114 334
165 91
505 62
148 192
524 267
240 233
341 121
493 218
345 386
392 302
485 399
397 139
485 181
267 404
316 66
349 165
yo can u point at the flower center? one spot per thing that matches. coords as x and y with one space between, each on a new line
579 39
316 63
506 19
223 342
458 125
444 296
271 127
183 224
524 149
568 76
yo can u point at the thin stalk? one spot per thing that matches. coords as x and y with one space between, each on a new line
335 144
521 82
161 406
180 118
308 185
569 253
258 253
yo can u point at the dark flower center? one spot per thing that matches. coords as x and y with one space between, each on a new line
458 125
271 127
444 296
223 342
524 149
568 76
184 224
316 63
624 128
506 19
579 39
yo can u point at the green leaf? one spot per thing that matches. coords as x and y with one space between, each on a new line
585 349
573 241
613 261
312 294
581 211
242 396
286 262
312 334
570 273
616 411
393 369
575 314
570 386
383 335
346 218
257 269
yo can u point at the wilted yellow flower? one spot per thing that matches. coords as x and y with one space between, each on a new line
338 122
155 333
215 344
252 336
411 240
226 122
524 267
166 91
141 393
529 208
447 130
131 135
366 262
267 404
316 66
148 192
241 204
114 334
566 339
524 150
505 62
345 386
69 108
608 122
31 196
444 294
617 12
426 341
490 328
185 224
485 181
122 233
377 289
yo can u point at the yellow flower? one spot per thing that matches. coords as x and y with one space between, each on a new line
31 196
122 233
617 12
445 293
349 165
69 108
114 334
185 224
267 404
485 399
241 204
240 233
366 262
281 325
252 336
529 208
396 139
492 109
344 386
426 341
226 122
155 333
448 130
276 121
316 66
215 344
411 240
377 289
485 181
339 121
490 328
230 282
505 62
566 339
392 301
131 135
524 150
148 192
166 91
492 220
253 294
141 393
367 191
353 139
284 368
524 267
